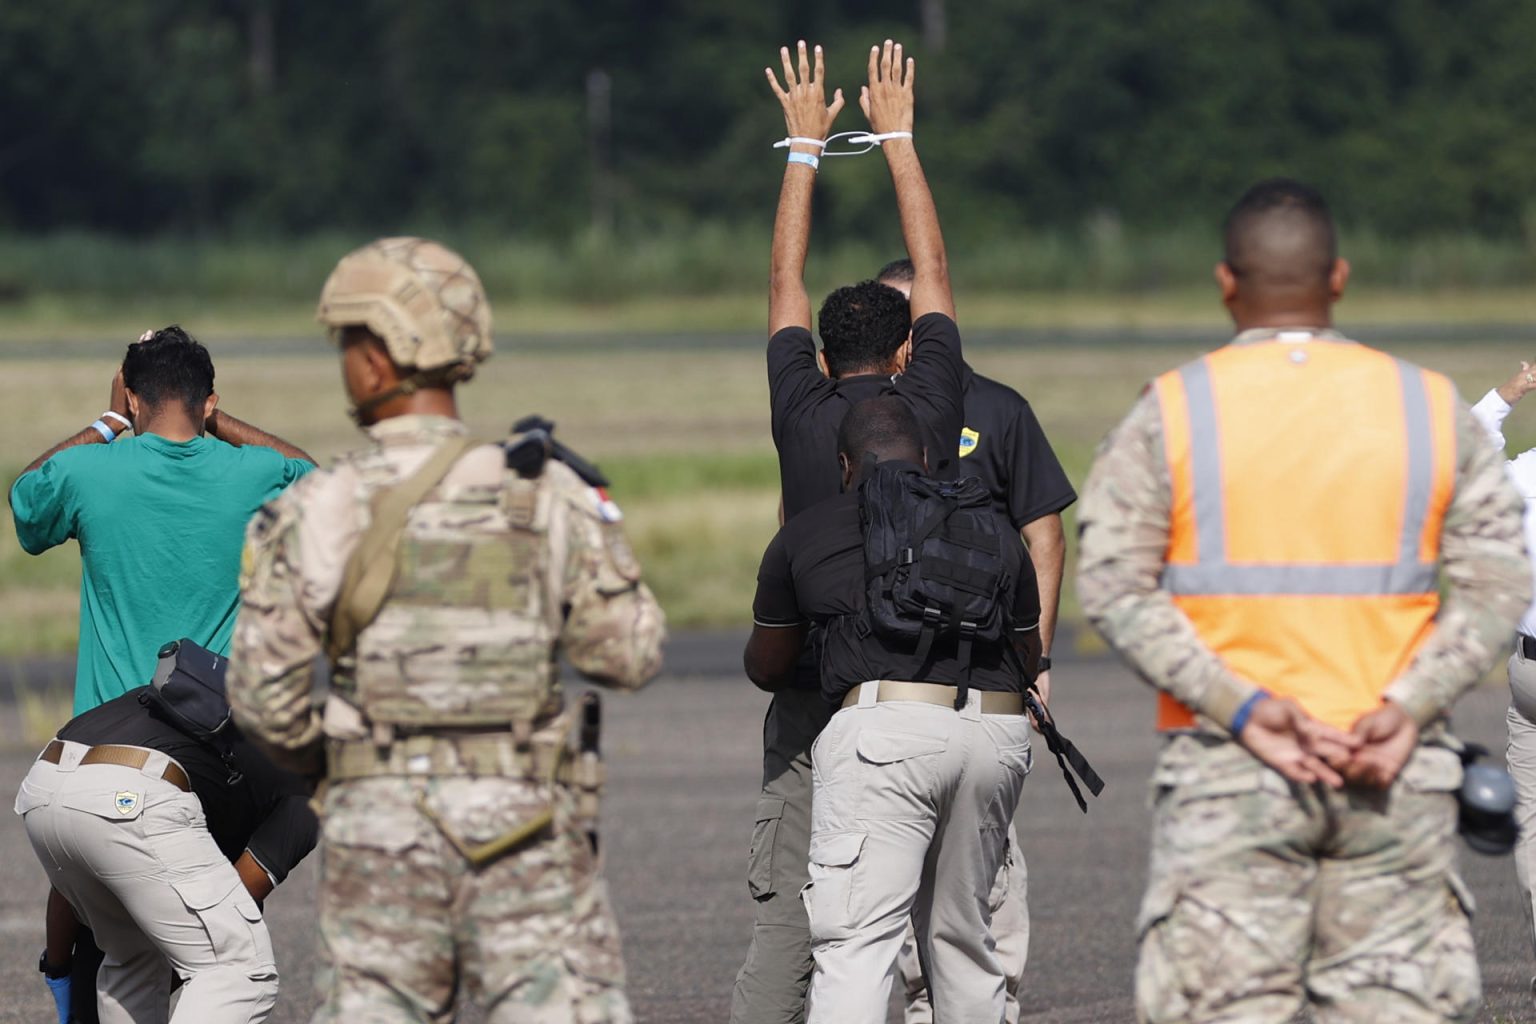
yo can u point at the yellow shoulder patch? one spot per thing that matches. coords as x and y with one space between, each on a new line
969 439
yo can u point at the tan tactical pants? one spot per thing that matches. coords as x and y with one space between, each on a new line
1265 897
909 821
1521 757
771 985
133 855
1009 900
412 930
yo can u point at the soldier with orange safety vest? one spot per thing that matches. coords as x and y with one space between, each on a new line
1262 539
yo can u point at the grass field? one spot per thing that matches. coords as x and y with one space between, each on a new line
683 431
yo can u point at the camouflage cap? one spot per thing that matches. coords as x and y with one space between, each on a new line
421 298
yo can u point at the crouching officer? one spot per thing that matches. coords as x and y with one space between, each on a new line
162 830
441 578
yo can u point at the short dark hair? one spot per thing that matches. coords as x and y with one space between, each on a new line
862 325
884 427
1281 234
900 271
170 365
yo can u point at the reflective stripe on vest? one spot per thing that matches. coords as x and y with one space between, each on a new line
1274 429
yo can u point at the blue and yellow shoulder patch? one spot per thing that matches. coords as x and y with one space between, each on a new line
969 439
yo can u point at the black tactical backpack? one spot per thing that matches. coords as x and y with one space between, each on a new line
933 564
934 568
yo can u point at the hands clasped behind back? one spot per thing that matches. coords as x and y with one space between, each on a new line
1305 750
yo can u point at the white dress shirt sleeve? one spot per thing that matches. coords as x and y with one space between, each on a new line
1490 413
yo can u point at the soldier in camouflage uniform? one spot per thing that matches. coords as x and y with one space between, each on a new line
1302 849
454 855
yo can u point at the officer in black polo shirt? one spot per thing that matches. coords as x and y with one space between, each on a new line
913 798
874 343
1003 445
165 847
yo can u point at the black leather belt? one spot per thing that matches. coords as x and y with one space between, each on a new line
1528 647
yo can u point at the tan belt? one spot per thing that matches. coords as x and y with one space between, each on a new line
993 702
476 754
126 757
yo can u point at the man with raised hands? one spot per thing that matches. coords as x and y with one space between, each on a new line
874 343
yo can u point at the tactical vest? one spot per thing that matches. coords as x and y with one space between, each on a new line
467 634
1309 481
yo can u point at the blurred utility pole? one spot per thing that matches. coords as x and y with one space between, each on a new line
935 29
262 61
599 139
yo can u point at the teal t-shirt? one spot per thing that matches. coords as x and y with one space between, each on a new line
160 525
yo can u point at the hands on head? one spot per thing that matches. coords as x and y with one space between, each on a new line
1304 750
887 99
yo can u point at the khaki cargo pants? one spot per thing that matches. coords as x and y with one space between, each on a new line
909 822
772 983
1521 757
1265 898
133 855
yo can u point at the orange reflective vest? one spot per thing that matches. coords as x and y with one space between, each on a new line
1309 477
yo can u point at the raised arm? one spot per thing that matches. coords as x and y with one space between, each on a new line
806 115
1494 407
238 433
888 103
115 417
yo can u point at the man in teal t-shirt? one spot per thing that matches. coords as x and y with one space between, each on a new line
160 517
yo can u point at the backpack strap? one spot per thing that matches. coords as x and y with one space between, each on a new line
933 621
370 572
963 654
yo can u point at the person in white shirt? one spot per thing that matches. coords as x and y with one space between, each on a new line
1491 412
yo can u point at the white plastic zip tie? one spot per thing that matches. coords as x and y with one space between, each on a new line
868 140
784 143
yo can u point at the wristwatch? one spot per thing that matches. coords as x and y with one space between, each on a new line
1045 663
52 973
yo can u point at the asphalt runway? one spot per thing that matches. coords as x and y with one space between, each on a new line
684 761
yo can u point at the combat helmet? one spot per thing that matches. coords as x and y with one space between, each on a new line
422 300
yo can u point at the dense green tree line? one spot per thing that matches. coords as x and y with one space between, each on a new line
550 117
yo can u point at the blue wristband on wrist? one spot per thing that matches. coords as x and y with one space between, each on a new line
1245 712
106 432
810 160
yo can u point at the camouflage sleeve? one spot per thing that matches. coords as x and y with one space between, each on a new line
1487 580
613 628
277 637
1123 523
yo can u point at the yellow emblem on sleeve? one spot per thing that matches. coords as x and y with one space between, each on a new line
969 439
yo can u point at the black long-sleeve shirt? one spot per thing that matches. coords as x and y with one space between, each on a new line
266 811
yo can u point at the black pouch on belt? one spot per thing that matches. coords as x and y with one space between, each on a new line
188 689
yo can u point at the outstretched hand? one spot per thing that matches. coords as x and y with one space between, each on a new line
1296 745
1521 383
804 95
887 99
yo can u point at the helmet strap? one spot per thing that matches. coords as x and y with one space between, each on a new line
437 377
408 386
